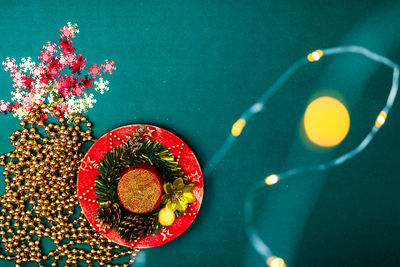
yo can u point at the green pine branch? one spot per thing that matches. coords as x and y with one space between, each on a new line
124 156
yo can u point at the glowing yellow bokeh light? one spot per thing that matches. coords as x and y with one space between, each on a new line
272 179
276 262
380 120
326 121
315 56
238 127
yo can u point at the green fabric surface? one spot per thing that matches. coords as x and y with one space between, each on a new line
193 66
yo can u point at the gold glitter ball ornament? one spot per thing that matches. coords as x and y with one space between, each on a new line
140 189
166 217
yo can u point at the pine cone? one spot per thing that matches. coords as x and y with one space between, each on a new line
109 215
132 227
140 131
134 139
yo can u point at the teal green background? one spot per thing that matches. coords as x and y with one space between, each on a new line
192 67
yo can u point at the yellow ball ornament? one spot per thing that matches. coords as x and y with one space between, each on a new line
166 217
326 121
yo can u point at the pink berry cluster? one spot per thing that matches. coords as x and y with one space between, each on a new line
58 80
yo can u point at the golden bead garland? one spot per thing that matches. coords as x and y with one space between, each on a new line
40 197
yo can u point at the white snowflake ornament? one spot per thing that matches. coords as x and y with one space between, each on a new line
27 64
101 85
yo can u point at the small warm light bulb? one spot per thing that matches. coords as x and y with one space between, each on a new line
380 120
257 107
238 127
315 56
272 179
276 262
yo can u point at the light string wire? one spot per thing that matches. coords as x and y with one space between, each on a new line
255 240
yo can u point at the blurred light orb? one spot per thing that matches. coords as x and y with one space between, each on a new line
257 107
380 120
272 179
326 121
315 56
276 262
238 127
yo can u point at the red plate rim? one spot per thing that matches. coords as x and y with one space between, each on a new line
186 160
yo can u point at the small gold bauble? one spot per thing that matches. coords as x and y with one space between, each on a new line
166 217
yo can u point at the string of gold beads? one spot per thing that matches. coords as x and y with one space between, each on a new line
40 198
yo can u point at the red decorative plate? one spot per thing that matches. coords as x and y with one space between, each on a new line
186 160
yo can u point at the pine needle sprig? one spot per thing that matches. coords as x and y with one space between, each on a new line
125 156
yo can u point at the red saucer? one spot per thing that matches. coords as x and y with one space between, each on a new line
186 160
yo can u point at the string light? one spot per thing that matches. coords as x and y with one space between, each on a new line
272 179
276 262
380 120
255 240
257 107
315 56
238 127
